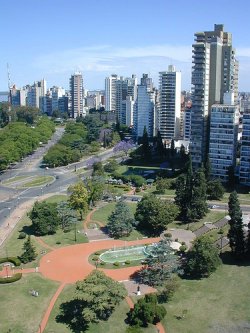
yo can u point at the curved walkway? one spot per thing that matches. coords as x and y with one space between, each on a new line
50 307
39 240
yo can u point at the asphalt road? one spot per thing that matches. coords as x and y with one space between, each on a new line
63 177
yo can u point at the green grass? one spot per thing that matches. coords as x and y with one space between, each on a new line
60 238
217 304
14 246
20 311
115 324
38 181
57 198
13 180
104 212
212 216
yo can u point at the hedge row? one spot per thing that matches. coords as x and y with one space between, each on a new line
13 260
11 279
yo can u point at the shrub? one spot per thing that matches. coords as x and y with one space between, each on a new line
13 260
102 263
176 240
127 262
183 243
137 190
11 279
117 264
97 253
22 235
95 258
58 242
183 248
168 235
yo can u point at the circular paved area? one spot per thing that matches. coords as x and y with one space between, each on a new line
70 264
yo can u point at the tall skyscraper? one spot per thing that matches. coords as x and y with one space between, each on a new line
110 92
215 72
35 94
76 95
169 103
144 108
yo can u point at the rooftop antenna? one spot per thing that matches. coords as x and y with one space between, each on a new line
9 93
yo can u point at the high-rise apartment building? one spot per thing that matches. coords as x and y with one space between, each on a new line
56 93
144 108
169 103
223 139
215 72
35 94
76 96
110 92
245 150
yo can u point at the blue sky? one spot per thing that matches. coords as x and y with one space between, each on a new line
53 38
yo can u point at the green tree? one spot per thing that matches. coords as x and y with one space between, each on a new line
44 218
98 169
202 259
66 214
146 311
207 168
145 148
159 265
159 145
172 148
99 295
215 189
120 222
167 289
111 166
78 198
163 184
95 187
153 214
236 232
198 204
29 253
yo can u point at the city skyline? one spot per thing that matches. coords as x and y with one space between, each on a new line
52 40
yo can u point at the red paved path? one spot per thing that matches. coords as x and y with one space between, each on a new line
49 308
70 264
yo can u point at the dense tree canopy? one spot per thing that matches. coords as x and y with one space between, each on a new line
18 140
78 198
215 189
160 264
146 311
202 259
153 214
44 218
236 232
120 222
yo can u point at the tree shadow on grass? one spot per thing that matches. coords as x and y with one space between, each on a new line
28 229
71 315
229 259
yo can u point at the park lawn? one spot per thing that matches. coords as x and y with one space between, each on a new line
219 303
211 216
116 322
61 238
57 198
13 246
20 311
104 212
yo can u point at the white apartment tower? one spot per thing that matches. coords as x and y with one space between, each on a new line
169 103
76 95
215 72
110 92
144 108
223 139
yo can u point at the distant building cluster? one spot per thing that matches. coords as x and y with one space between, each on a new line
213 119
